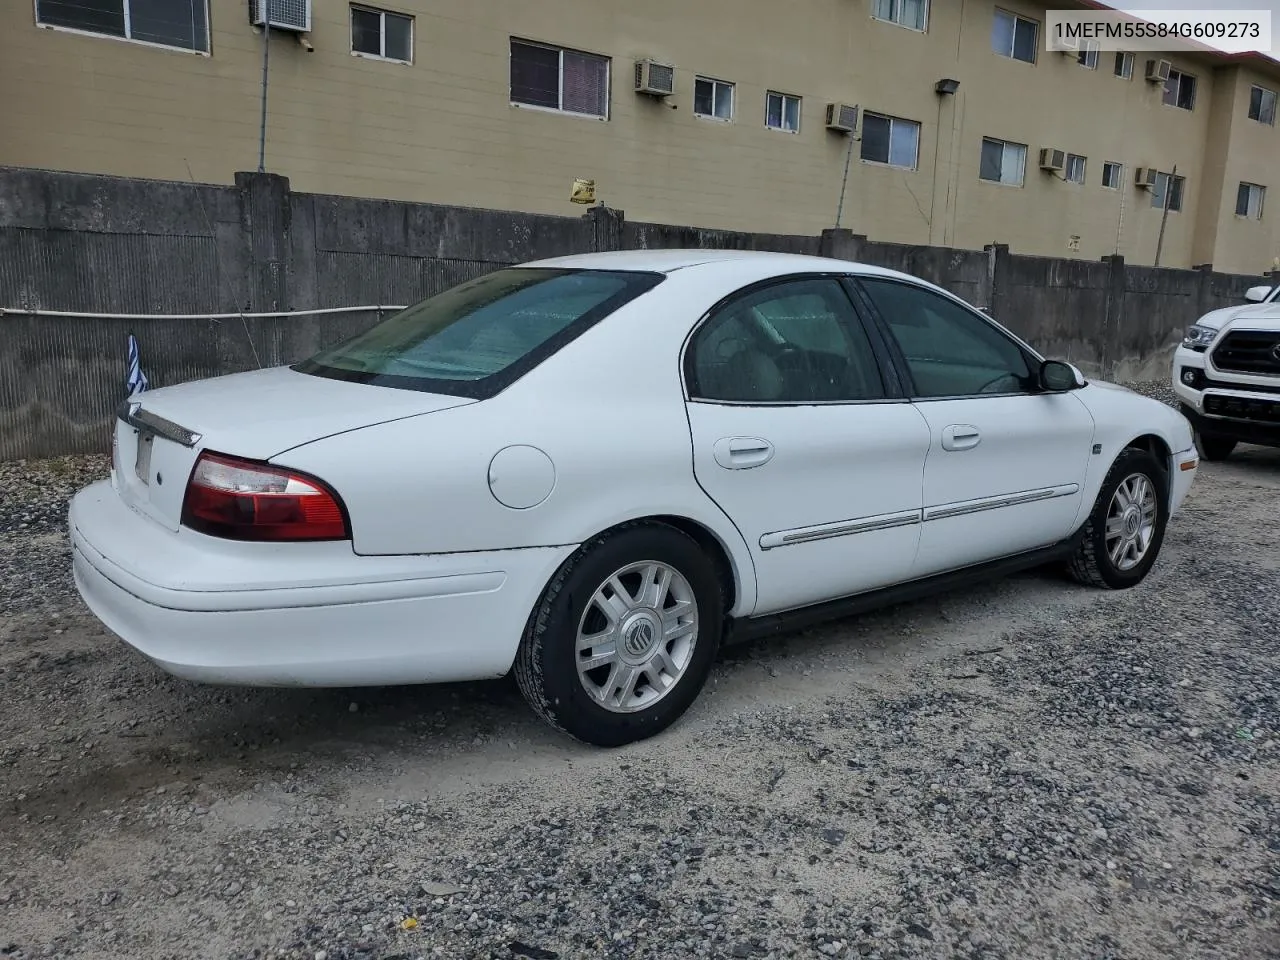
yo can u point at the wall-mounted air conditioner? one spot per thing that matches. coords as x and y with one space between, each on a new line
1052 158
1144 178
842 117
655 79
294 15
1158 70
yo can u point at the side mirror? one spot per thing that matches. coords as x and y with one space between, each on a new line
1257 294
1058 377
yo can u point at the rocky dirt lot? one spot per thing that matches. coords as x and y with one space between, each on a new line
1029 769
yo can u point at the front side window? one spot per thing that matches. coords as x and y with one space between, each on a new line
558 79
1073 172
1168 190
379 33
905 13
1249 200
1180 90
712 98
1014 36
1003 162
1262 105
798 341
890 140
170 23
477 337
950 350
782 112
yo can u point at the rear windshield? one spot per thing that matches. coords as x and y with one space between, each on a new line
476 338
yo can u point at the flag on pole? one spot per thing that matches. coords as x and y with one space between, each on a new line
136 381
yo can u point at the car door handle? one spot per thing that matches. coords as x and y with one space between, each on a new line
960 436
742 453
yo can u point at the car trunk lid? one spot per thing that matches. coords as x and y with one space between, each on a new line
160 434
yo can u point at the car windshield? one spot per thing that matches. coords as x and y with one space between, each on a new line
480 336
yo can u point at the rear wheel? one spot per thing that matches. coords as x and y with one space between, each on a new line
1214 448
624 637
1126 529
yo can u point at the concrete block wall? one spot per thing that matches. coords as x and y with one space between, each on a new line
105 245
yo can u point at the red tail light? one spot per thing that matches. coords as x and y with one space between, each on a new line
243 500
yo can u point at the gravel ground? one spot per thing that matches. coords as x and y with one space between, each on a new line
1028 769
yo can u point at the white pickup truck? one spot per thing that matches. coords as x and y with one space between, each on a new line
1226 375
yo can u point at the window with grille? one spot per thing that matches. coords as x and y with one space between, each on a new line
556 78
169 23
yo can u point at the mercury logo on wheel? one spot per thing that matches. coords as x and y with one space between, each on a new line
638 638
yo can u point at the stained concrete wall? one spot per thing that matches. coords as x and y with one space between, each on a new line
104 245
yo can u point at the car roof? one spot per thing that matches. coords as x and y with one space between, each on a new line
668 261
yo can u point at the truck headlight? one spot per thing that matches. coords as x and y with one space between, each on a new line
1199 338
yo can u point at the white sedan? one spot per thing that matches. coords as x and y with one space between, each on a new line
594 470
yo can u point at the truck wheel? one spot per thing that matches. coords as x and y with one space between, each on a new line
1214 448
1126 529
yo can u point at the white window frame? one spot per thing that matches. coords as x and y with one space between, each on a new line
783 115
382 33
1168 180
1088 55
1035 47
1126 69
1182 75
208 32
1255 190
893 122
1004 144
895 7
1112 165
1275 104
1066 168
561 50
715 85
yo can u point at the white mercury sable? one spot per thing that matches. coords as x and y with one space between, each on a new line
596 469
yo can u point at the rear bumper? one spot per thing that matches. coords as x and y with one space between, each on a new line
300 614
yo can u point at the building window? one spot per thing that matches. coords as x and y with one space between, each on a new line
1014 36
1112 175
173 23
890 140
782 112
1249 201
558 79
712 98
1180 90
1088 55
1073 172
377 33
1262 105
1170 187
1124 66
906 13
1003 162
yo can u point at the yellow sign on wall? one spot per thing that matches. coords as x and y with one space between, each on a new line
584 191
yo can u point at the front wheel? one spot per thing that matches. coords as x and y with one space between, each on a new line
624 637
1214 448
1126 529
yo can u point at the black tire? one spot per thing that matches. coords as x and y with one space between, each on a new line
1092 564
1214 448
546 667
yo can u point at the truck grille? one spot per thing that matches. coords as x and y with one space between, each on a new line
1242 408
1249 351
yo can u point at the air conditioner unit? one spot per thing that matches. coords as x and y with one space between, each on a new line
842 117
655 79
1069 45
1158 70
1144 178
1052 159
294 15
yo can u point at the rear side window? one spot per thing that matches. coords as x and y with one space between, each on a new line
480 336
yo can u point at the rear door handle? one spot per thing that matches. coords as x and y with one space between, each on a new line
960 436
742 453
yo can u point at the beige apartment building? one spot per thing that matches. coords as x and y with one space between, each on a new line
502 104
